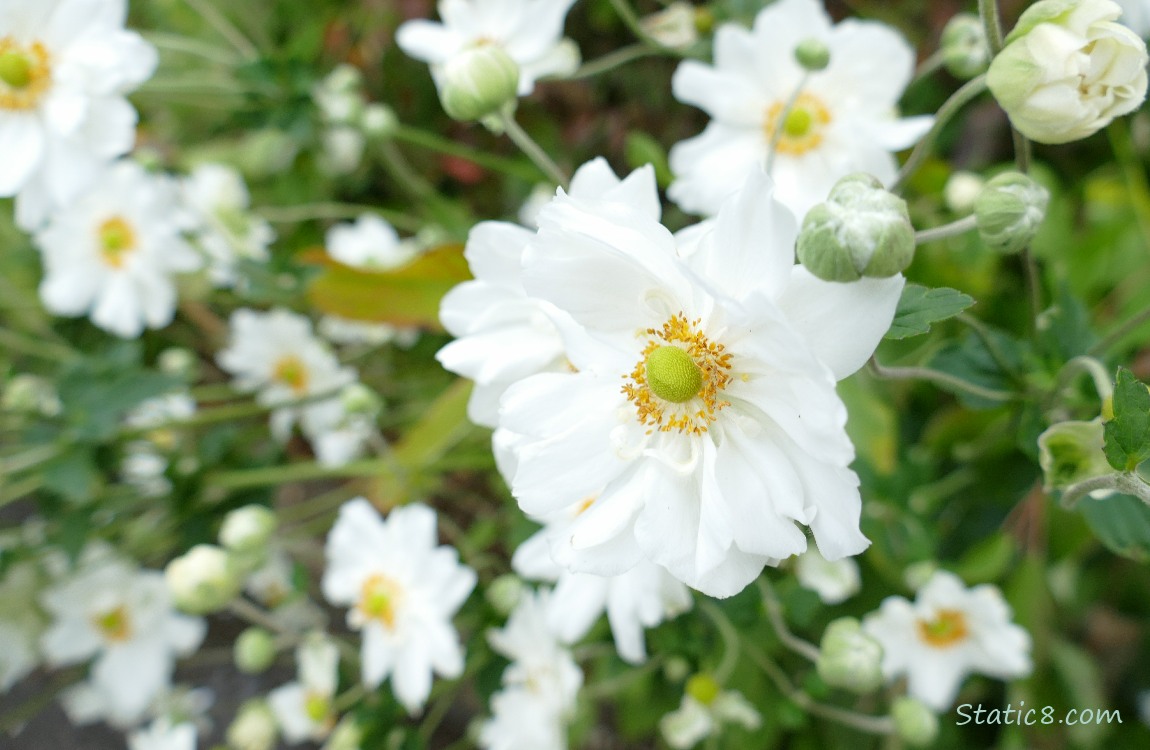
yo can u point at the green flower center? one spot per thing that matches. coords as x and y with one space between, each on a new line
117 241
946 629
378 599
292 372
703 688
317 707
114 624
673 375
798 122
15 69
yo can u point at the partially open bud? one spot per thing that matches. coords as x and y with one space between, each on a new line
1009 211
254 727
478 82
254 651
813 55
849 658
674 26
378 121
248 529
1070 452
1068 69
914 723
203 580
861 230
965 51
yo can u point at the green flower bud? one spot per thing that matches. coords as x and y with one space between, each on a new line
914 723
813 55
254 651
254 727
1070 452
357 398
478 82
379 121
178 361
703 688
203 580
504 593
248 529
965 51
861 230
917 574
849 658
1009 211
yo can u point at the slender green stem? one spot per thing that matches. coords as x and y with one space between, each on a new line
401 171
780 122
940 378
988 11
225 28
774 609
1083 365
1033 284
299 472
1121 331
27 459
927 67
245 610
533 150
437 143
959 99
189 46
215 415
631 21
1127 484
334 211
953 229
730 636
613 60
33 346
349 697
607 688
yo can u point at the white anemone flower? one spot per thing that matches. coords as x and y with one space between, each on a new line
529 31
113 253
834 582
163 735
303 709
502 334
403 590
540 686
124 617
701 414
948 632
276 354
225 230
705 708
65 68
843 120
639 598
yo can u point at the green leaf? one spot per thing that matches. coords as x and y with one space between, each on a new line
1127 434
988 366
640 149
73 475
920 307
98 392
1122 523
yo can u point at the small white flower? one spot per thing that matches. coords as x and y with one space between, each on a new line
673 26
113 252
360 332
703 711
67 66
529 31
843 121
370 243
304 708
834 582
343 147
948 632
540 685
122 616
403 590
163 735
339 96
336 435
225 230
20 623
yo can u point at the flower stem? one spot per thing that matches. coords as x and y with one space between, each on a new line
225 28
774 609
613 60
1092 367
927 67
189 46
940 378
953 229
959 99
1127 484
433 142
334 211
533 150
780 121
299 472
1124 329
988 12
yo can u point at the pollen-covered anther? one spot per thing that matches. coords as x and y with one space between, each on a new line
802 127
946 629
378 600
117 241
679 378
25 74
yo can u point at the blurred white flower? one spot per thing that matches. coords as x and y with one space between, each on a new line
674 26
225 230
529 31
502 334
163 735
20 623
67 66
403 590
703 711
304 708
727 432
339 95
112 253
123 617
371 243
540 686
948 632
844 119
634 600
834 582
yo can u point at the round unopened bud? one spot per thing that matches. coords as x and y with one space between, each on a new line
254 727
254 650
962 190
378 121
813 55
703 688
849 658
202 580
676 669
504 593
178 361
1070 452
965 51
248 529
1009 211
478 82
914 723
357 398
861 230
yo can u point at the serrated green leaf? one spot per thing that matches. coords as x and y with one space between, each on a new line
921 307
1127 435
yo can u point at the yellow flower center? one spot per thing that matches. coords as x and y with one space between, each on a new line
801 129
378 599
679 378
114 625
117 241
25 74
292 372
703 688
317 707
946 629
